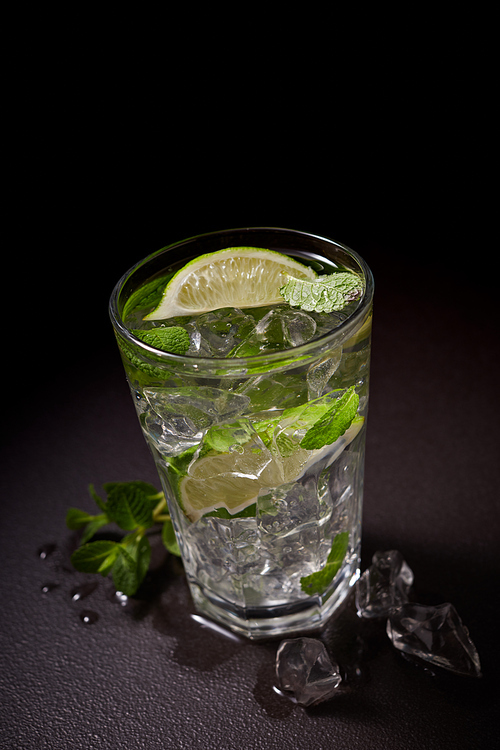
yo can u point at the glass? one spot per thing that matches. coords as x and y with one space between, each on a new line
254 567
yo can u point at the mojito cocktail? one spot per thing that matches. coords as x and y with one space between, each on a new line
247 355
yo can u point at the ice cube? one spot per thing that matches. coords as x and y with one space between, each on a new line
177 418
298 327
172 437
282 391
319 374
203 405
435 634
218 332
280 328
384 585
326 322
304 670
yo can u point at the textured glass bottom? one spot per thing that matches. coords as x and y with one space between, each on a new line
258 623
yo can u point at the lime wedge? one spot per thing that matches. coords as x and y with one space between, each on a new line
235 277
234 480
227 480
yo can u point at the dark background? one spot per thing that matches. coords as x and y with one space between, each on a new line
110 166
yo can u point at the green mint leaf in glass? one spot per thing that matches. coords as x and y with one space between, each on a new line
131 504
95 557
142 368
249 512
147 296
223 437
324 294
310 412
316 583
333 423
179 464
173 339
169 539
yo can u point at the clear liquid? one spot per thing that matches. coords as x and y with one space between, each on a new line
245 565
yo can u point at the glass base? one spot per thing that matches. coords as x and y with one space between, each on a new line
259 623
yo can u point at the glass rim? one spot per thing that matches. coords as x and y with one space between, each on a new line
256 361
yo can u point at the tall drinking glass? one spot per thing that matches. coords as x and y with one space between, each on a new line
269 529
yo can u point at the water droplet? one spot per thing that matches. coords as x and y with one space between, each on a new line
48 587
46 550
82 591
122 598
88 617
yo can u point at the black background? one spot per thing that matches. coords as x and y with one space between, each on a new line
110 166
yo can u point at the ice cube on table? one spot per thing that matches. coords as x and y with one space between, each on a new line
435 634
305 670
384 585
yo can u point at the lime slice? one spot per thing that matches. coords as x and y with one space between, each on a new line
233 480
227 480
235 277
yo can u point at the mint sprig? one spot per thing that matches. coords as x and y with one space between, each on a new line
316 583
134 507
324 294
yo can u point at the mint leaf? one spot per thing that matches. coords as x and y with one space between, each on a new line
323 294
221 437
135 506
93 527
173 339
139 549
316 583
147 296
148 489
338 550
95 557
307 414
333 423
179 464
249 512
125 575
130 504
141 367
169 539
77 519
98 501
296 418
